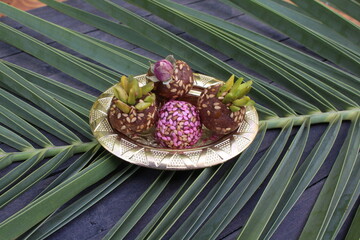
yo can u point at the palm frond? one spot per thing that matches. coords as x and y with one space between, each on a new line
43 123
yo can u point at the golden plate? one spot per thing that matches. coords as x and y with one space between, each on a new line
144 151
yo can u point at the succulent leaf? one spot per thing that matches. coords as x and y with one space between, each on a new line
250 103
228 98
151 98
124 83
135 87
131 98
243 89
142 105
234 108
120 93
122 106
227 86
241 102
147 88
236 85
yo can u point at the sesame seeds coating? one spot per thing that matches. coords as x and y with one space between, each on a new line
179 125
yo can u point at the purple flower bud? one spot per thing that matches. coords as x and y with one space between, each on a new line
163 70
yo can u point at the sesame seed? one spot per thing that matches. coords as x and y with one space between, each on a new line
118 115
128 119
208 112
173 90
181 66
217 107
204 105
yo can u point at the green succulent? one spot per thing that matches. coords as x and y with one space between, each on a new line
234 92
129 93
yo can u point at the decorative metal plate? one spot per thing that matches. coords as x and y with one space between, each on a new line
144 151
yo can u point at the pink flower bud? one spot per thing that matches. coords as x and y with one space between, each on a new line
163 70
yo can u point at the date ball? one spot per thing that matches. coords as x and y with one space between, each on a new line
178 126
173 78
133 107
216 115
135 121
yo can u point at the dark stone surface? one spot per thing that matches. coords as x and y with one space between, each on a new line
98 220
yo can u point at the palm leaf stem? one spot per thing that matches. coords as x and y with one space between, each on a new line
9 158
323 117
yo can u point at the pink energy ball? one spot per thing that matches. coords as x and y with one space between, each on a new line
179 125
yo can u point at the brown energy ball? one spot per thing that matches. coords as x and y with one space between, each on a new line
135 121
215 115
173 78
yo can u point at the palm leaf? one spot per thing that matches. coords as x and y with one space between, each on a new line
43 123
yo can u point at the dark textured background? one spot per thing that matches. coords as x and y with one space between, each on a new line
96 222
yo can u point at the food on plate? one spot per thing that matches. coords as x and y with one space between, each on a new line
178 126
133 108
173 78
222 106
